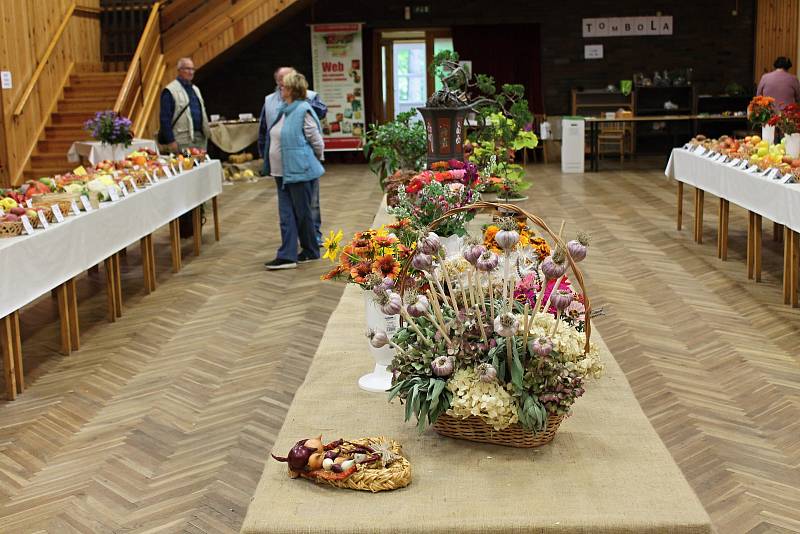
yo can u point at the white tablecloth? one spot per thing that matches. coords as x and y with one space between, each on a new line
769 198
95 151
30 266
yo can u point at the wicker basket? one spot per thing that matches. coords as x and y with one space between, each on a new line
10 229
48 213
474 429
396 475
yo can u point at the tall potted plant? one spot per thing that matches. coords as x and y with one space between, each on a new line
397 146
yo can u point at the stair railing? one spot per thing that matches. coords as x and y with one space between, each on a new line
141 88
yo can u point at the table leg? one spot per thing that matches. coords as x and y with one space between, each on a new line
595 148
757 247
151 255
117 284
795 269
145 264
6 337
72 309
175 240
215 209
197 229
110 289
699 199
777 232
725 223
680 206
787 264
751 238
63 314
16 349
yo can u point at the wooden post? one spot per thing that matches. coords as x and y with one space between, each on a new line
63 314
6 337
117 284
795 269
725 223
72 309
751 238
215 209
197 229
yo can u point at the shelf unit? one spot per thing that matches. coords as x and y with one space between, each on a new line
596 102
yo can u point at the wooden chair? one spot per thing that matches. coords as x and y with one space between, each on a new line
616 138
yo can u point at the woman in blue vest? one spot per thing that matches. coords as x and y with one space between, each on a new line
293 151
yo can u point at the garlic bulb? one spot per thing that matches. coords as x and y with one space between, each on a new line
551 269
506 325
393 305
378 338
430 244
442 366
420 307
422 262
578 247
541 346
507 239
487 261
473 252
561 299
487 373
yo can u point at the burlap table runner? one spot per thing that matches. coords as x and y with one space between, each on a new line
607 471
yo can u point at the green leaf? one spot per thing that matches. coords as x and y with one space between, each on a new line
422 416
517 371
410 402
435 392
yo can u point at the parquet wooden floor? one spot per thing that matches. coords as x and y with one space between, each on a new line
162 421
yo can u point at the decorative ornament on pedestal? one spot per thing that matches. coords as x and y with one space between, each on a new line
793 145
379 380
768 134
445 130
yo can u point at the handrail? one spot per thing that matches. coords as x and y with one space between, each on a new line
26 94
124 91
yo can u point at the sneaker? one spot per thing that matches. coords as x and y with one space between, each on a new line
303 258
278 263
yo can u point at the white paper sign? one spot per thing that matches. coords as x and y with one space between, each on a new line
43 219
753 169
26 223
75 209
245 116
149 177
5 79
168 172
2 213
112 193
699 150
593 51
626 26
734 162
123 188
57 212
86 204
133 184
208 158
788 179
28 203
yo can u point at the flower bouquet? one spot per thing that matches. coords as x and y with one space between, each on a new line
432 193
760 110
788 120
110 128
497 349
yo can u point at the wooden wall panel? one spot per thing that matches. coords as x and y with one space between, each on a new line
27 27
777 34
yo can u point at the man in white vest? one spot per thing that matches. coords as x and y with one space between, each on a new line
183 118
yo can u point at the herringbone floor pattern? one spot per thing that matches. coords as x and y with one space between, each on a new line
162 421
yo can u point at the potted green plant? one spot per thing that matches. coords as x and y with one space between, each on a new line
397 145
494 148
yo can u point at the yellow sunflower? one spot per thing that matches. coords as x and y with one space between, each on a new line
331 246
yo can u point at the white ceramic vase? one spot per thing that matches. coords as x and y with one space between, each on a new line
768 134
792 145
452 245
380 379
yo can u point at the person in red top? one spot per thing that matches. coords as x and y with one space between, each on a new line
780 84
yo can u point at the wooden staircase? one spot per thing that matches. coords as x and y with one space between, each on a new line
85 94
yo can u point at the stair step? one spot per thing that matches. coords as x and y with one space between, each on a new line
53 146
71 117
88 108
98 77
49 160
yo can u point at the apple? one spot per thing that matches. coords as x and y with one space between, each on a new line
755 139
762 151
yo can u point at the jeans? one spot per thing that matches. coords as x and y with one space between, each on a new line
316 215
296 221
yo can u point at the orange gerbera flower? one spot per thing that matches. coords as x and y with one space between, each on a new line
383 241
386 265
348 256
360 271
336 272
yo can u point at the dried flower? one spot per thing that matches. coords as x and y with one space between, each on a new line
561 299
487 373
541 346
442 366
393 305
577 247
551 268
430 244
473 252
506 325
420 307
378 338
422 262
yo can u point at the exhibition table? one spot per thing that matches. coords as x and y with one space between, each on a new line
93 152
234 136
606 471
32 265
762 196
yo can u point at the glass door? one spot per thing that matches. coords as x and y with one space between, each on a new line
410 83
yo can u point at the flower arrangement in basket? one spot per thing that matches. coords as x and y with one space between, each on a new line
497 350
432 193
760 110
110 128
